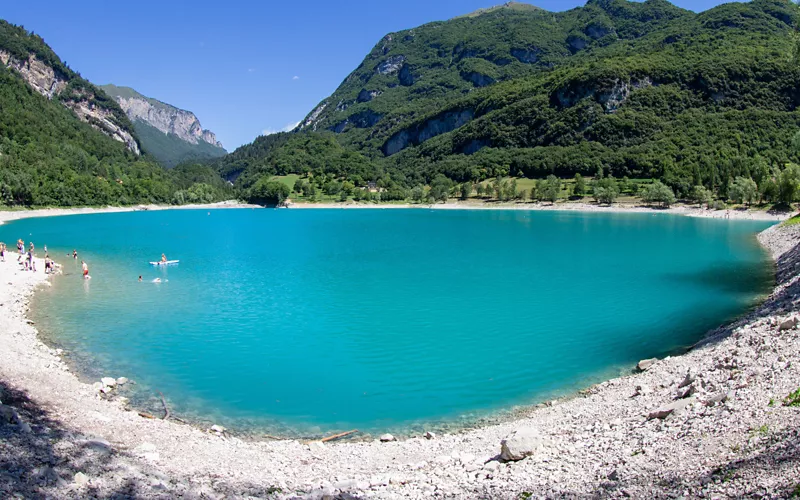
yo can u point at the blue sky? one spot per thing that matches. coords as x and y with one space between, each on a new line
243 67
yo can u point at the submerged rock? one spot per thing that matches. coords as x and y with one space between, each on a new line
521 444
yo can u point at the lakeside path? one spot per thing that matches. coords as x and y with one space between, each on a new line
59 438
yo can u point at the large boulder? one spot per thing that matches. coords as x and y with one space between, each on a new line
520 444
646 364
670 409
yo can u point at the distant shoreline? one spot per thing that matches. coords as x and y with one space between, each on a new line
688 211
10 215
561 207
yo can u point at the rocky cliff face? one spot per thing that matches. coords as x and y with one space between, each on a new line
46 81
164 117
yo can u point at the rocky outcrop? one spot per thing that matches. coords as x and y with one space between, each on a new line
597 31
576 43
441 124
41 77
168 119
477 79
311 120
391 65
367 95
406 76
611 97
46 81
527 56
363 119
104 121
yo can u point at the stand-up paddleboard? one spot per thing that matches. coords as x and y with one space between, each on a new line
167 263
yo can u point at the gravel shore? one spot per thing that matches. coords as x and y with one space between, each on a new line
709 424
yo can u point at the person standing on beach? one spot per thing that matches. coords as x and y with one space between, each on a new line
85 270
3 252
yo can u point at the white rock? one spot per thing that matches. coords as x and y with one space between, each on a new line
520 444
122 381
81 479
386 438
429 435
646 364
217 428
108 381
669 409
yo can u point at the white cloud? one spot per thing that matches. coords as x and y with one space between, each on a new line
295 77
287 128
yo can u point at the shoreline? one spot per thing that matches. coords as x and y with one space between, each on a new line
569 206
586 439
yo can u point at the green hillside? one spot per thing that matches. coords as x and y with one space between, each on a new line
50 157
643 90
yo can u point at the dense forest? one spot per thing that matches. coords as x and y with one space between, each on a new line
615 89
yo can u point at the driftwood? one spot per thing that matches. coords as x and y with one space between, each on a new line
276 438
166 408
337 436
146 415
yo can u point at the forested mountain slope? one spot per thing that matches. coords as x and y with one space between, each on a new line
637 89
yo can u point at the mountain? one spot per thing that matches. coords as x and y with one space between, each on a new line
639 89
29 57
170 134
65 142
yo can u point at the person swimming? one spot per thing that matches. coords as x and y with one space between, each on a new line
140 278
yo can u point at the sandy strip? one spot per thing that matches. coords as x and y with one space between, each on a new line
724 439
570 206
10 215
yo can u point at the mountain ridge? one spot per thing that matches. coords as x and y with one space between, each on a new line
184 137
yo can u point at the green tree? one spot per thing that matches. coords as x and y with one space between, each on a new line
550 188
466 190
700 195
605 190
579 188
660 193
743 190
418 194
440 188
788 183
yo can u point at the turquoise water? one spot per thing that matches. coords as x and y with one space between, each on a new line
320 320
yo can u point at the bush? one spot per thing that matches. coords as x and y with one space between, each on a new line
718 205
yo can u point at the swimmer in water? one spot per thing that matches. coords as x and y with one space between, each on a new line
140 279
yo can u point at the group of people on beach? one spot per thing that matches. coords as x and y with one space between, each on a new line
28 258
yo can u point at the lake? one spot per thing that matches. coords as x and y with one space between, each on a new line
311 321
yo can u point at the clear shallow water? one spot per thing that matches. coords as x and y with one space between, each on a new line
321 320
